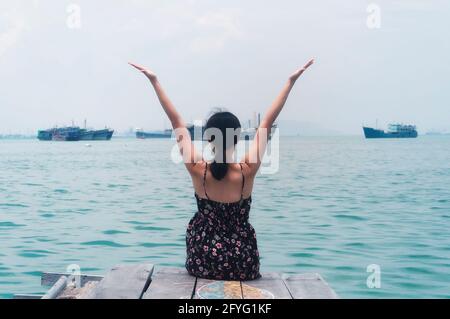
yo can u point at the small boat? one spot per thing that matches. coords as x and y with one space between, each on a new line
153 134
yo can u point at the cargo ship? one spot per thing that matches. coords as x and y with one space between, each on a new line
195 131
249 132
394 131
96 135
74 133
153 134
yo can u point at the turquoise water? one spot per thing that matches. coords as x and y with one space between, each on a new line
337 205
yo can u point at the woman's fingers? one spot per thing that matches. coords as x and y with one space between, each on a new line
147 73
134 66
307 65
140 68
299 72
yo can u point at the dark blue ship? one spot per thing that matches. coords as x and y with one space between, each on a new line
394 131
195 131
96 135
153 134
74 133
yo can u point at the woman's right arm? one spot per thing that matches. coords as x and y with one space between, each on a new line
254 156
187 149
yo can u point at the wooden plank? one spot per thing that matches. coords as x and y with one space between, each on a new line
133 281
199 284
170 283
220 289
27 296
308 286
271 282
56 289
49 278
123 282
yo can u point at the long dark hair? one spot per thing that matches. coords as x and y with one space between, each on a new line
228 126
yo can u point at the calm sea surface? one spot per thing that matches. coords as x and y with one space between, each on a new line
336 206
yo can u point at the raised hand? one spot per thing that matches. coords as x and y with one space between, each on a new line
299 72
151 76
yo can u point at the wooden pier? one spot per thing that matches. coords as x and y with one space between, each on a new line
146 281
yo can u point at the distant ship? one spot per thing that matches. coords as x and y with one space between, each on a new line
195 131
71 133
249 132
153 134
96 135
74 133
394 131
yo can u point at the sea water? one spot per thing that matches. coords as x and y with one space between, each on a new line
371 216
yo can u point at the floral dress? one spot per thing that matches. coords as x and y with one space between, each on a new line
220 241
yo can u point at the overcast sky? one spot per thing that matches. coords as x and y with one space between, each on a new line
55 68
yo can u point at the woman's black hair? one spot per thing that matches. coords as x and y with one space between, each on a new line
228 126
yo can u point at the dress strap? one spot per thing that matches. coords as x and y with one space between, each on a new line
204 180
243 182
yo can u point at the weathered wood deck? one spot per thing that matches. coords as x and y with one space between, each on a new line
145 281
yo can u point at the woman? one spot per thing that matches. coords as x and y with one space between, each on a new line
220 242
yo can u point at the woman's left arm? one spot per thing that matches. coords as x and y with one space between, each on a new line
187 149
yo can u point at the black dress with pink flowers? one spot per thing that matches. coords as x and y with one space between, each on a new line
220 241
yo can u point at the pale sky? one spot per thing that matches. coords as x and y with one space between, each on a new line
55 68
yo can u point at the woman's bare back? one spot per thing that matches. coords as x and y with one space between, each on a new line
226 190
